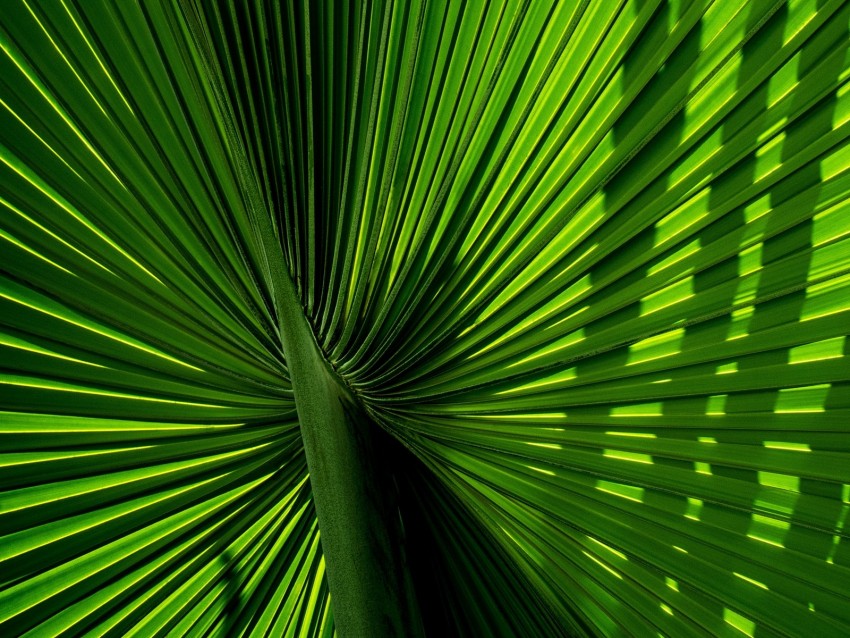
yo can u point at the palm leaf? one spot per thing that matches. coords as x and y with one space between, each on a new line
581 270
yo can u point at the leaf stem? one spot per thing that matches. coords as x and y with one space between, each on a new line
354 495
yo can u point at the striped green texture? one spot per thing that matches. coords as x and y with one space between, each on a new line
582 269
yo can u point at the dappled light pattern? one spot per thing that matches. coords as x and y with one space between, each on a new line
589 263
600 282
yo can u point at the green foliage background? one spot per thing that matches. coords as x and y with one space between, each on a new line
589 262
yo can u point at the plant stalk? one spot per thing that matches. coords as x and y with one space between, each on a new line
354 494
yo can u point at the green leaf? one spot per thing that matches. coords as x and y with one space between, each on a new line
551 298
